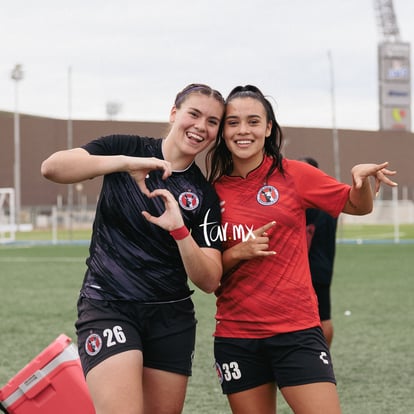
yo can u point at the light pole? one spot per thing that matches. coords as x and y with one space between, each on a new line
17 75
70 146
335 141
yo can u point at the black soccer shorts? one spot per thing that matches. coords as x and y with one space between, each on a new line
288 359
164 332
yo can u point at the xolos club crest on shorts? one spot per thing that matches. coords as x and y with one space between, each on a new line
188 200
219 373
267 195
93 344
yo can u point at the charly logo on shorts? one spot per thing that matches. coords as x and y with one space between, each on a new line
219 372
93 344
267 195
188 200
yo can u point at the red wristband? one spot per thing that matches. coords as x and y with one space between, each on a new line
179 234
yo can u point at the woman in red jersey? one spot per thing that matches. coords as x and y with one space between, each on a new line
268 330
136 322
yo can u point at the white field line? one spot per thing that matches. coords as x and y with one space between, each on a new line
42 259
377 236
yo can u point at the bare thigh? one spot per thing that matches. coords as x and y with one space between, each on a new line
328 331
258 400
164 392
317 398
115 384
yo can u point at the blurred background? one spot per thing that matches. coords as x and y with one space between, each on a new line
338 74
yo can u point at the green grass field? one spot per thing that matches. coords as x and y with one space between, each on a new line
372 349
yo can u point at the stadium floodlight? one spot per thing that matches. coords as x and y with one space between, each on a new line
17 75
112 109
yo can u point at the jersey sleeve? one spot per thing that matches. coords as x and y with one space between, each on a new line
115 145
318 189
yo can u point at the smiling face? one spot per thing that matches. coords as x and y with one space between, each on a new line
245 129
195 123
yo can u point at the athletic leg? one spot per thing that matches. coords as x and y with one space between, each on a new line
327 328
258 400
110 347
168 359
317 398
304 372
164 392
115 384
245 375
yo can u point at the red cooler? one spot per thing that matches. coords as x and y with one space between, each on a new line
52 383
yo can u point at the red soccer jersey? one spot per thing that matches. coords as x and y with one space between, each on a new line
266 296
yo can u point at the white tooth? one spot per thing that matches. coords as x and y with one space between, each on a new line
198 138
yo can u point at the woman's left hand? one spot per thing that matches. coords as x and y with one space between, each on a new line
361 172
171 219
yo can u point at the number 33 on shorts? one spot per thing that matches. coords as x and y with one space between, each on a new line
228 371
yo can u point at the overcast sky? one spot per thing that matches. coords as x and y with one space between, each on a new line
139 53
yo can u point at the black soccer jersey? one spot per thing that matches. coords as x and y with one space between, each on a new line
130 258
323 245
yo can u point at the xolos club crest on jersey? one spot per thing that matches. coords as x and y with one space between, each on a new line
267 195
188 200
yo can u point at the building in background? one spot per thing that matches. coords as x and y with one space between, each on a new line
47 205
394 71
41 136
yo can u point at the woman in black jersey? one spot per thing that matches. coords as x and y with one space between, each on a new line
155 214
321 238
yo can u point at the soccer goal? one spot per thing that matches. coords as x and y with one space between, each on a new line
7 215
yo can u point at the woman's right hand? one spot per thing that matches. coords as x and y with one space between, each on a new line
255 246
139 168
